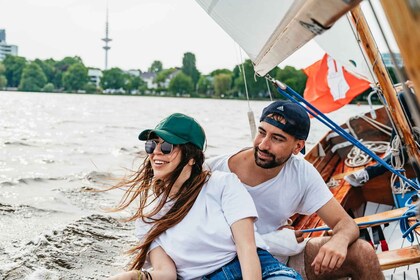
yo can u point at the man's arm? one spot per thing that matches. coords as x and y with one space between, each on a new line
345 231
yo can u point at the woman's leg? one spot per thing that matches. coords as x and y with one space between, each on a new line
272 269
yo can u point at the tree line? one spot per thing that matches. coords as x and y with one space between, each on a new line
71 75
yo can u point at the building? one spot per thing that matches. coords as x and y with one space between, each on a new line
386 57
134 72
6 49
2 35
95 76
149 78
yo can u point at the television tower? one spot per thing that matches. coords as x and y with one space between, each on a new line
106 39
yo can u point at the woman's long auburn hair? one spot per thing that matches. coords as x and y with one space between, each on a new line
140 185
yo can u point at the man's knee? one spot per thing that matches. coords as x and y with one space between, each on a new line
363 248
362 253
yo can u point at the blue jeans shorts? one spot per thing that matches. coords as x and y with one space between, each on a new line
271 269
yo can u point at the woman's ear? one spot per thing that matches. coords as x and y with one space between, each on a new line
191 162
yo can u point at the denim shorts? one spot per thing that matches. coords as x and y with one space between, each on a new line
271 269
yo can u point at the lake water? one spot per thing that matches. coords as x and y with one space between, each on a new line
54 148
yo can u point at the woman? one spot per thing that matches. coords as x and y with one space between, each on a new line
190 222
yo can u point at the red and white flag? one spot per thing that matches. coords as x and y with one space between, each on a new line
329 86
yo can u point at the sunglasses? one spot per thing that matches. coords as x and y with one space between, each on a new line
165 147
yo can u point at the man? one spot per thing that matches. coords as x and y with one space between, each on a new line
282 183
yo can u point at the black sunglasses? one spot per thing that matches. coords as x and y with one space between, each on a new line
165 147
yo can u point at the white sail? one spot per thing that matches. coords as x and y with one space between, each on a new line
341 43
283 26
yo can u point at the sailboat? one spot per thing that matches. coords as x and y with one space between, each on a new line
270 31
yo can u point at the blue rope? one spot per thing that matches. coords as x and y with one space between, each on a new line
406 230
288 92
383 221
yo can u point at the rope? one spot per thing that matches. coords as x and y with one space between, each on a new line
357 157
333 183
357 37
406 230
378 125
288 92
405 217
269 91
243 73
398 162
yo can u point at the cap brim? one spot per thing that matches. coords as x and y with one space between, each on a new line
165 135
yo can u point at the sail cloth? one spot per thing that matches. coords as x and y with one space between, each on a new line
329 86
271 30
340 43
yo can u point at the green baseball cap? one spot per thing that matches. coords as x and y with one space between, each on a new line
178 129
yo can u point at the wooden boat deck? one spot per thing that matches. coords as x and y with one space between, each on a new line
373 198
394 238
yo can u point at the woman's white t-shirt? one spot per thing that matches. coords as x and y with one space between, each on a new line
202 242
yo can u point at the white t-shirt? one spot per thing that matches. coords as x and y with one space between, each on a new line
298 188
202 242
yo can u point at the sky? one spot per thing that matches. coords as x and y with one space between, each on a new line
141 31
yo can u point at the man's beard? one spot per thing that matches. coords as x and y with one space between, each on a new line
267 164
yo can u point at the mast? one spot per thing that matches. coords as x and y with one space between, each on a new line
379 69
106 40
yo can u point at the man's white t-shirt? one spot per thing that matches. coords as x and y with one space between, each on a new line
298 188
202 242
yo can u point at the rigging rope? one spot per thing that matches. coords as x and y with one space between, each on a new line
296 98
398 162
357 157
251 118
269 91
406 230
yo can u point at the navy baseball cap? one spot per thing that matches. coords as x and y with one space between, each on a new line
297 119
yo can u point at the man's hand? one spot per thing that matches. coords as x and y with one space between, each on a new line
330 257
298 233
299 236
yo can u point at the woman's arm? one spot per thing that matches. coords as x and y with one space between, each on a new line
243 234
163 266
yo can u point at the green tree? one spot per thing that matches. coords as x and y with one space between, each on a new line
391 71
189 68
163 75
134 84
33 79
62 66
221 71
156 66
3 80
14 68
181 84
222 84
113 78
257 86
292 77
49 87
75 78
48 67
90 88
205 84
